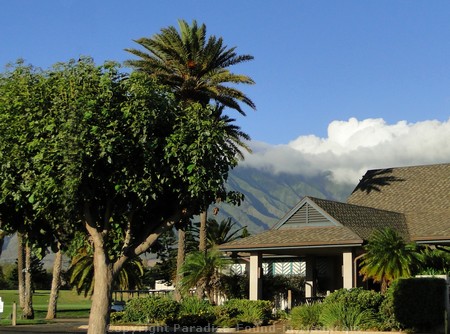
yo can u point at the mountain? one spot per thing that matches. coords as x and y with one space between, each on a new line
268 197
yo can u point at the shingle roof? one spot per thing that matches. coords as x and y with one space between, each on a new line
405 189
421 193
363 220
413 200
296 237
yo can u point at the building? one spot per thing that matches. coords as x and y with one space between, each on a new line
329 236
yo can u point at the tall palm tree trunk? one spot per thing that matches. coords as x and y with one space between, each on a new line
28 311
21 269
202 247
56 284
181 254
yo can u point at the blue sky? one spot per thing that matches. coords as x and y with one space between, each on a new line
341 86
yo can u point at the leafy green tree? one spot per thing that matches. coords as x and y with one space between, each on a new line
109 153
387 257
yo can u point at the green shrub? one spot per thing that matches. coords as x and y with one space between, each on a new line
339 316
419 303
195 312
226 316
387 316
153 309
364 299
358 308
251 312
117 317
235 286
306 317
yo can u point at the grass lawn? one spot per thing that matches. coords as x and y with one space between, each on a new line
70 305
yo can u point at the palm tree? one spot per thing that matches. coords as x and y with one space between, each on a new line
202 270
81 273
387 257
195 69
223 232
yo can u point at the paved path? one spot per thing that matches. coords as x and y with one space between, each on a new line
66 326
69 326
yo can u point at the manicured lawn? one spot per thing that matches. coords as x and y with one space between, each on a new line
70 305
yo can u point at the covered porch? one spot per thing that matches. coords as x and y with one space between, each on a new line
327 235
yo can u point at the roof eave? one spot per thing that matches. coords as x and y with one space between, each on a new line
355 243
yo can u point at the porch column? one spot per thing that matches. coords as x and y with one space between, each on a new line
347 270
255 276
310 286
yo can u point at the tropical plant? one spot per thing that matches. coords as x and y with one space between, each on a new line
387 257
223 232
195 69
306 317
434 261
152 309
195 312
203 269
339 316
81 273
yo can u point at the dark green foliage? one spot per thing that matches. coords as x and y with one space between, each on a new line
223 232
352 309
306 317
235 286
279 286
193 66
117 317
419 302
434 261
156 310
195 312
388 257
226 315
339 316
251 312
365 299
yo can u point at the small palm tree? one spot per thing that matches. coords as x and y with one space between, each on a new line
387 257
202 270
223 232
81 274
195 69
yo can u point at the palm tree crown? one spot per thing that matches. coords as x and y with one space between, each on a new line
195 69
387 257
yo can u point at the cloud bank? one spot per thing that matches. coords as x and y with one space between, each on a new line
352 147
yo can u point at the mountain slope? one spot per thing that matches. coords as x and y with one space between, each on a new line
268 196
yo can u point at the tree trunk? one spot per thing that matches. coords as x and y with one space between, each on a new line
180 260
56 284
202 248
21 269
101 298
202 232
28 312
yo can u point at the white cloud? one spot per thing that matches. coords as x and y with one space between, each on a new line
354 146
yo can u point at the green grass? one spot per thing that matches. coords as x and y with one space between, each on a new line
70 305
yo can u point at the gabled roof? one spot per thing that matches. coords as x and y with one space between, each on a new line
421 193
415 201
315 222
